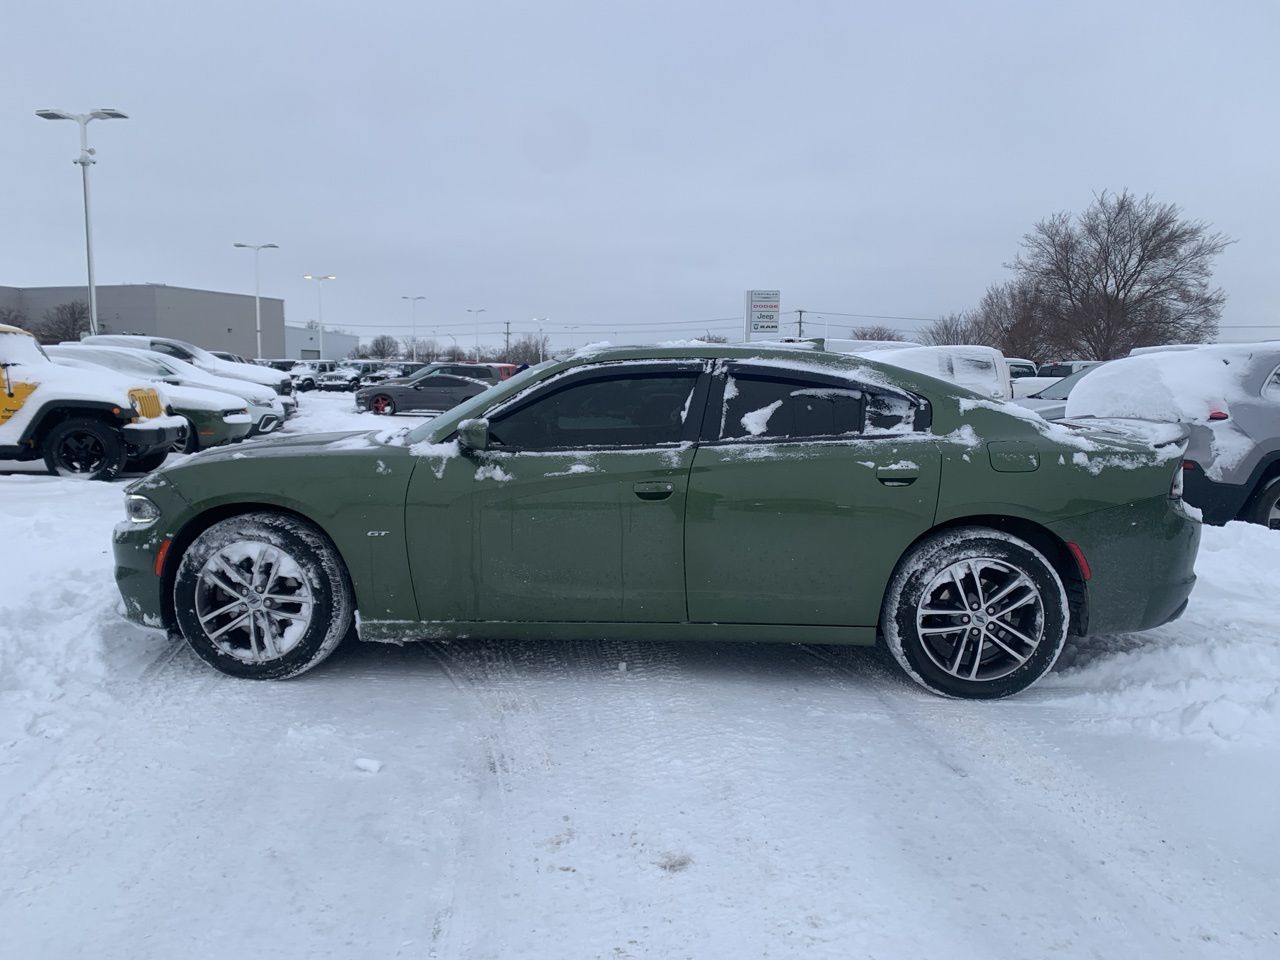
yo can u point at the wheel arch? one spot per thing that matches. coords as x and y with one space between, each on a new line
1053 547
201 522
55 412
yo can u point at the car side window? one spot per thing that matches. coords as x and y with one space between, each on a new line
634 409
779 407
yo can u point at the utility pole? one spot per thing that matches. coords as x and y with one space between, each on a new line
800 325
506 354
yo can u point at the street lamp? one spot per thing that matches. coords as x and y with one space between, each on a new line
257 304
413 320
541 338
86 158
477 316
319 303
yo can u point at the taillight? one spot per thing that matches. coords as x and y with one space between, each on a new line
1217 414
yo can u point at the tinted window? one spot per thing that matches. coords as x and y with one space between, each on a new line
1062 389
1018 370
1056 370
775 407
636 410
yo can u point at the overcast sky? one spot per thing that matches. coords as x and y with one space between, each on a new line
611 165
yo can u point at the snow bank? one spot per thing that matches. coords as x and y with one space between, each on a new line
1213 675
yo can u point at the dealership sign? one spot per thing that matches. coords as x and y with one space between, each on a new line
762 311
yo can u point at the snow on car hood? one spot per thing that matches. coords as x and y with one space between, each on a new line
251 372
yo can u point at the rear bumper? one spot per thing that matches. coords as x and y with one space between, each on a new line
1142 558
1219 502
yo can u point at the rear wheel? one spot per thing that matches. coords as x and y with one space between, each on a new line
264 596
975 613
85 448
381 403
1264 507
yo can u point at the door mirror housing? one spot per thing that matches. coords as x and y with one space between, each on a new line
474 434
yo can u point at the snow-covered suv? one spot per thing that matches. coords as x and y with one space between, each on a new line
81 422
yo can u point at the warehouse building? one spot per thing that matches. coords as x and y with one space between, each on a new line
303 343
207 318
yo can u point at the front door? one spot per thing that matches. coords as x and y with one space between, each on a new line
576 512
804 493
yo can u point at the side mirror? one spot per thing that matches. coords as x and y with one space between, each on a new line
474 434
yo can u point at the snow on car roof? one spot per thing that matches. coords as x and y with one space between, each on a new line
1173 385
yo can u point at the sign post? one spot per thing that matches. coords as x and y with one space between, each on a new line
763 308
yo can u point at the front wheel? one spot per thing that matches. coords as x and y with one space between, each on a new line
84 448
975 613
264 596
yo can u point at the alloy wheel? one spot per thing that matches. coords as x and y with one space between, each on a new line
253 601
81 452
980 619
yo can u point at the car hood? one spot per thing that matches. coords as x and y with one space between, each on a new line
251 372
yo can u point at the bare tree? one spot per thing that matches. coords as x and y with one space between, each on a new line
383 347
876 331
66 321
951 329
530 348
710 337
1010 317
1127 272
14 317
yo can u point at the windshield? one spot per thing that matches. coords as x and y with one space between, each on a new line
1059 390
481 401
21 348
124 363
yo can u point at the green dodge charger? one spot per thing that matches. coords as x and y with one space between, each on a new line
696 493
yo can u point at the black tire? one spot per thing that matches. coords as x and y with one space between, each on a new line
1264 506
317 571
85 448
151 461
387 404
974 653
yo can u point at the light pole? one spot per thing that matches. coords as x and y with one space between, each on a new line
413 322
257 303
85 159
319 303
477 313
541 338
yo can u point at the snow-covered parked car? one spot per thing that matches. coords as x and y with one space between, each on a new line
278 381
267 410
1229 396
305 373
86 423
213 417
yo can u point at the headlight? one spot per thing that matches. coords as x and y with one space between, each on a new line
232 413
140 510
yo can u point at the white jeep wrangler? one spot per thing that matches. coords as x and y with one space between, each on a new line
83 423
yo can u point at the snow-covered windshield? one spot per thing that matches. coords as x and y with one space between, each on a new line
122 362
21 348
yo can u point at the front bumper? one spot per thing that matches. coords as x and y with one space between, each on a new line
145 436
142 581
1142 557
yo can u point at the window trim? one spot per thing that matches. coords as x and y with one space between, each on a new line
610 371
709 434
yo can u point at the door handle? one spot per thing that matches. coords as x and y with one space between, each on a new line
898 474
653 489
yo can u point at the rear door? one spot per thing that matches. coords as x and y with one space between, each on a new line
804 492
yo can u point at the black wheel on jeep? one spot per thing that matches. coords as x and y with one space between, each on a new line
85 448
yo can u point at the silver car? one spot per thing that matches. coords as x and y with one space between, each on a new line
1229 397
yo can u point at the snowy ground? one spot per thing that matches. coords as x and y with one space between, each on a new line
581 800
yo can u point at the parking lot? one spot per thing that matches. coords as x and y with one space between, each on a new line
614 799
